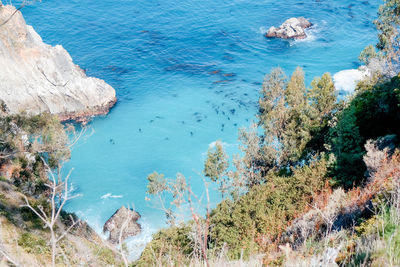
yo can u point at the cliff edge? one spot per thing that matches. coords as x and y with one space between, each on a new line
36 77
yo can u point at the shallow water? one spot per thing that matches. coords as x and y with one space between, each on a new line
186 74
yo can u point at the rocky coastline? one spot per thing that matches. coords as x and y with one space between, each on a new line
36 77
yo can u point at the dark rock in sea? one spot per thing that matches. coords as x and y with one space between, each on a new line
123 222
293 28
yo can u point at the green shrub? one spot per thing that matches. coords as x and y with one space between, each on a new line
105 255
33 244
266 210
170 247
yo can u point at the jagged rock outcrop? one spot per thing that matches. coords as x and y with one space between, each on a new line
36 77
124 220
293 28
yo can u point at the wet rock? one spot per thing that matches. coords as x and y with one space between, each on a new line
293 28
122 218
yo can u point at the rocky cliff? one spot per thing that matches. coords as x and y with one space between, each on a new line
36 77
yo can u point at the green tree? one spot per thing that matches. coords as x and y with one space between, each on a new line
216 165
347 147
297 130
388 25
273 115
368 54
322 97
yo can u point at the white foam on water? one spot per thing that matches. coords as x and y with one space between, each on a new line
263 30
110 195
93 221
312 35
212 144
137 244
346 80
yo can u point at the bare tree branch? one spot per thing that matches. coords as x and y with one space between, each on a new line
18 9
59 191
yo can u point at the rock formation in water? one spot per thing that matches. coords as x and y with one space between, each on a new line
123 219
36 77
293 28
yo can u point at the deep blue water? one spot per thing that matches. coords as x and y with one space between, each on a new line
186 74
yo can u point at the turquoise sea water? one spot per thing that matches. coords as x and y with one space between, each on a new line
186 74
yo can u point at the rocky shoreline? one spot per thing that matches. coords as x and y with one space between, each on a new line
85 116
36 77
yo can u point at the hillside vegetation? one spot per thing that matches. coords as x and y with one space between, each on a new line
30 148
317 182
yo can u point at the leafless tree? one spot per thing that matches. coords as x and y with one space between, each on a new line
202 226
121 243
60 194
22 5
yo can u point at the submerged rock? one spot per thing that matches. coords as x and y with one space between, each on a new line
293 28
124 220
36 77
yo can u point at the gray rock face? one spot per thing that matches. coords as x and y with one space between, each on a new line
293 28
36 77
123 220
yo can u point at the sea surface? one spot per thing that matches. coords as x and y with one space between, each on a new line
186 73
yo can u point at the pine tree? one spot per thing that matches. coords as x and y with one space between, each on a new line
347 148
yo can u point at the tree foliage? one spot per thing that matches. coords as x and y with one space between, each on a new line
216 165
372 113
290 114
266 210
388 25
